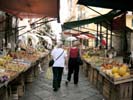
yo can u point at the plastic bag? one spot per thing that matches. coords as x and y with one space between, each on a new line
49 74
65 71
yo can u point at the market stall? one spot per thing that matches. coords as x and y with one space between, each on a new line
111 77
16 73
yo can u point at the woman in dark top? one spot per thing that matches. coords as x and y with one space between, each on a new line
73 66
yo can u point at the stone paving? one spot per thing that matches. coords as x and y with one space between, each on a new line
41 89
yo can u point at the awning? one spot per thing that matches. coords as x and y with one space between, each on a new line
31 8
112 4
107 17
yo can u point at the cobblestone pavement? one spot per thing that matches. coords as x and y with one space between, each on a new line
41 89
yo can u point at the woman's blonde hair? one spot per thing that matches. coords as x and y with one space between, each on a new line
76 43
59 44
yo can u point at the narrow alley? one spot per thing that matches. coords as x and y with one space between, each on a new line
41 89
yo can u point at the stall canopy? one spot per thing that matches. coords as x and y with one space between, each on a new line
113 4
31 8
107 18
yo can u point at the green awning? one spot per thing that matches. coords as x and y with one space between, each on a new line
104 18
112 4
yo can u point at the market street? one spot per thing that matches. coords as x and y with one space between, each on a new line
41 89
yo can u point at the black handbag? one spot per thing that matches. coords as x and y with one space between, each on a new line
79 60
51 62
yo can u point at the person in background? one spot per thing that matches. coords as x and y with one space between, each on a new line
60 57
73 66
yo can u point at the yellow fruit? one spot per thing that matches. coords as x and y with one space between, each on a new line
114 70
125 66
122 71
116 75
127 74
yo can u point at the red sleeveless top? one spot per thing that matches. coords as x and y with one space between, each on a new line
73 52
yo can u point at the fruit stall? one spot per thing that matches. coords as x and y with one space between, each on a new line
18 69
111 77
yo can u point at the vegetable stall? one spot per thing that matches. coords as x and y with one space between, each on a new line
110 76
17 71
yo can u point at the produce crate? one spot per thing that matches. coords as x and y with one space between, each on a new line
14 91
86 68
131 71
21 90
21 85
3 93
106 89
89 71
82 67
9 92
118 79
91 75
36 70
100 82
95 77
121 91
29 76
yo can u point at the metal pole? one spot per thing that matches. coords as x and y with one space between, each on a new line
107 37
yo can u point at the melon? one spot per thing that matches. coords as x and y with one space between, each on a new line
122 71
114 70
127 74
116 75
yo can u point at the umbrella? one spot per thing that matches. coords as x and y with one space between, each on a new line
83 36
71 38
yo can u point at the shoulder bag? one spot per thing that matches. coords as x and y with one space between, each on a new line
51 62
79 60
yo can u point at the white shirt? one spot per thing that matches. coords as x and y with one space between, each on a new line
60 62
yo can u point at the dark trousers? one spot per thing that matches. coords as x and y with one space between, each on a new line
73 68
57 77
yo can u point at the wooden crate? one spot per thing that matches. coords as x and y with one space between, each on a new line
14 91
100 82
89 71
131 71
91 75
122 91
21 90
3 93
9 92
95 77
106 89
29 76
125 92
86 68
36 70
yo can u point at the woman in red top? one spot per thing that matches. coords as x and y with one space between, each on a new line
73 66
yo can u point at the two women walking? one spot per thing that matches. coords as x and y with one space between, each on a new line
65 59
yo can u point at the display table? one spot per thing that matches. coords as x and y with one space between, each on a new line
15 86
111 90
